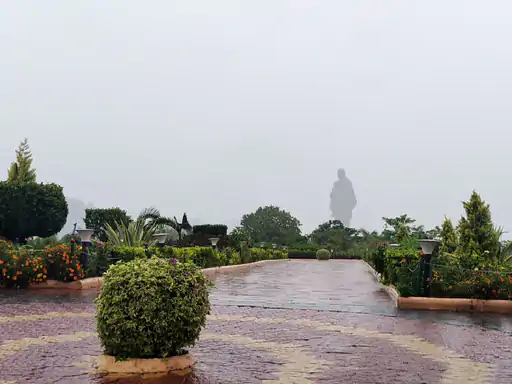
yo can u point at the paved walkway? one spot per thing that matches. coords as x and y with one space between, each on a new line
292 322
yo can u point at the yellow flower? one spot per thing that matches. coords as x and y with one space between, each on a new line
486 251
449 287
39 274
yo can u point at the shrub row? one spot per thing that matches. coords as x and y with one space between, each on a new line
401 268
311 254
23 265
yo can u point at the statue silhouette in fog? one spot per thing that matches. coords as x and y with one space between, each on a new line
343 199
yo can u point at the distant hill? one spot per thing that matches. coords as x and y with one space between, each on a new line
76 215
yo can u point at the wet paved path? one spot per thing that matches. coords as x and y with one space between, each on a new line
290 322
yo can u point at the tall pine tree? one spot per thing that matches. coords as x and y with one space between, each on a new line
477 242
448 237
21 170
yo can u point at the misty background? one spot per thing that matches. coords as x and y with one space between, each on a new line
216 108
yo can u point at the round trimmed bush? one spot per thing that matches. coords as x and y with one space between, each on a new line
151 308
31 209
323 254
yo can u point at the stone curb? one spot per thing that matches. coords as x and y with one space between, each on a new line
390 290
456 305
96 282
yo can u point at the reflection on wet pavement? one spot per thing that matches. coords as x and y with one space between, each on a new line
289 322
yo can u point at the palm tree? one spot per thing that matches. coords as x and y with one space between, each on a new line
141 231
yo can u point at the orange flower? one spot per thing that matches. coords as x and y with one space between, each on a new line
1 262
75 278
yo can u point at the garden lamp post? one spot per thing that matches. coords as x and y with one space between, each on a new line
262 244
85 240
214 241
428 247
274 246
160 239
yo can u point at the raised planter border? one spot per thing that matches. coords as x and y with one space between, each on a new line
96 282
444 304
109 364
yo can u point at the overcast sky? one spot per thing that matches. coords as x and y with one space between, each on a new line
218 107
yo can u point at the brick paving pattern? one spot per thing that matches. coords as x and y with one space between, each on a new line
292 322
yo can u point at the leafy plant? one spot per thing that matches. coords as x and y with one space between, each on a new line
134 234
151 308
99 218
449 240
21 170
31 209
323 254
271 224
477 236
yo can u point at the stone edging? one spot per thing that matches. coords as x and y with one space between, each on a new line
96 282
390 290
444 304
109 364
457 305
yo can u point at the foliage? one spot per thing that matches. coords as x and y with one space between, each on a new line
449 239
64 263
42 242
401 269
237 235
99 218
400 227
271 224
476 232
210 230
184 227
31 209
154 222
20 266
323 254
258 254
334 235
21 170
245 252
151 308
132 234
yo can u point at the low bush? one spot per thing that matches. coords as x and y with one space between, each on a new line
63 262
151 308
19 267
323 254
258 254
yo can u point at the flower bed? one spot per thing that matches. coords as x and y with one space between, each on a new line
22 266
401 267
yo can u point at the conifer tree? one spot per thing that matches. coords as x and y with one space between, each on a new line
21 170
477 241
448 237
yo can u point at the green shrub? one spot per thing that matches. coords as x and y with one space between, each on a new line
258 254
203 257
245 252
402 270
323 254
302 253
31 209
98 218
210 230
151 308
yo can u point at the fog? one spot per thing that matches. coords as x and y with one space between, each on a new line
216 108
